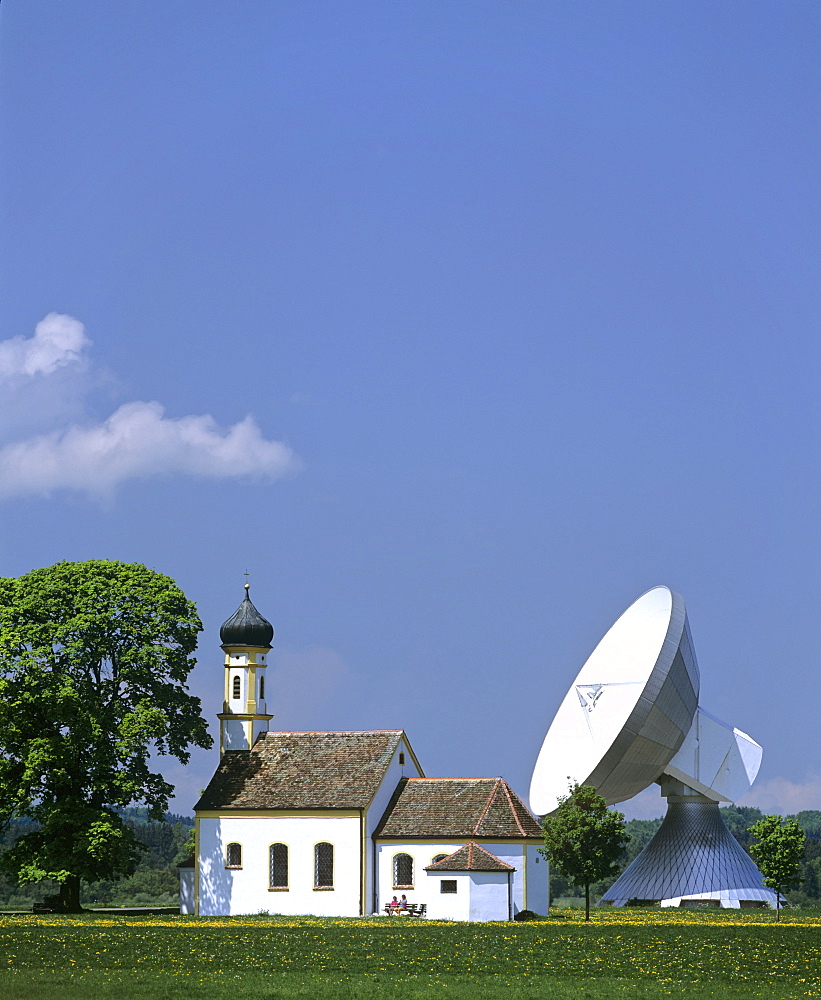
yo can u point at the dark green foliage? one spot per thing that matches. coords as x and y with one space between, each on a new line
810 822
525 915
561 887
94 658
584 840
155 882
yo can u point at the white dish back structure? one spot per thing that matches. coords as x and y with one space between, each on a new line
631 717
715 759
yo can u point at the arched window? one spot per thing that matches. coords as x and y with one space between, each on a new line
233 856
402 871
262 689
278 878
236 686
324 866
437 858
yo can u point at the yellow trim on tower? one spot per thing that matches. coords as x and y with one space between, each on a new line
243 716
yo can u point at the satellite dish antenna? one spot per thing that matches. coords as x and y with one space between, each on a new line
629 709
631 718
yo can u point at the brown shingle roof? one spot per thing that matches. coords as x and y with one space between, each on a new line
456 807
471 858
339 770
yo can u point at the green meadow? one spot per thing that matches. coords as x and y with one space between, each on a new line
636 954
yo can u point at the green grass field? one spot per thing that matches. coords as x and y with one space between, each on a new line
635 954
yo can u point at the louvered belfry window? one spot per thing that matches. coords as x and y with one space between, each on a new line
324 866
236 687
402 871
279 866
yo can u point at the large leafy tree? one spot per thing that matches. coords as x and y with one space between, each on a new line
94 658
583 839
778 853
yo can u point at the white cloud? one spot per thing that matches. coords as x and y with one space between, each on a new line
136 442
45 383
58 341
781 795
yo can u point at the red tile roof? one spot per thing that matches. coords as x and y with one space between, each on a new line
472 857
458 808
338 770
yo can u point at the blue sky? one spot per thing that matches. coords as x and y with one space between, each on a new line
457 324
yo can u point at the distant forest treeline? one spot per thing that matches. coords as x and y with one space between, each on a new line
739 819
154 883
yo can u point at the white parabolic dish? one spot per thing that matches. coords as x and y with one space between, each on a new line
628 710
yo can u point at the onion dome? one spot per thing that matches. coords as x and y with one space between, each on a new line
247 627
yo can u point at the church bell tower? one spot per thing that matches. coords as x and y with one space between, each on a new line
246 641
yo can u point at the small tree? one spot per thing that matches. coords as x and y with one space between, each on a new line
778 853
583 839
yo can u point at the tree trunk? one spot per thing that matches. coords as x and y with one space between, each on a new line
70 895
587 901
778 905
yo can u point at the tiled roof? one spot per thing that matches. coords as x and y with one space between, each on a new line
471 858
339 770
188 863
458 808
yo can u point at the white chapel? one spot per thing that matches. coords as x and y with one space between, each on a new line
341 823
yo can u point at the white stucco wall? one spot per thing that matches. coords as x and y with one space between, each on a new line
531 871
377 808
537 896
423 854
186 890
234 734
238 704
225 891
489 896
447 906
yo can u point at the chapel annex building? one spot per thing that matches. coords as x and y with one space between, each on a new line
339 823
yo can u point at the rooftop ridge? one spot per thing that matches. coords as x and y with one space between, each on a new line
338 769
487 806
513 809
493 778
471 857
327 732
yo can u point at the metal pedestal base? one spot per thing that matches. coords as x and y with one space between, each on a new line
693 860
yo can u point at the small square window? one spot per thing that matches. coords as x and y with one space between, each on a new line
447 885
